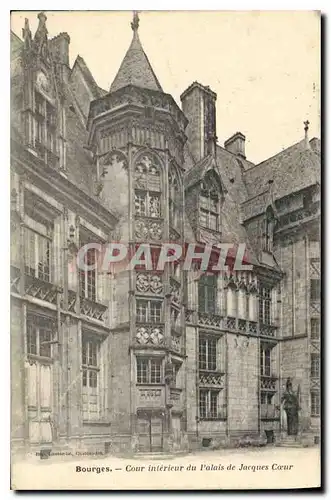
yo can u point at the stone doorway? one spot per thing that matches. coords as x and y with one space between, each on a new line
150 430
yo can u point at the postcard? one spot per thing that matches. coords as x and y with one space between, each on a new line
165 250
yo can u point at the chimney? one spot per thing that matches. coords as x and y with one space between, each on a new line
236 144
59 46
199 107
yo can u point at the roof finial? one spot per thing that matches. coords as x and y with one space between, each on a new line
135 21
42 29
306 124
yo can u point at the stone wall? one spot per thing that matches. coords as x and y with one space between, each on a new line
18 418
242 373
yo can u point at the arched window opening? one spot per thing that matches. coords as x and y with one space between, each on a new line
209 213
45 129
207 291
147 188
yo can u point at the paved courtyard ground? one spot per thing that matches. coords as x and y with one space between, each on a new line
268 467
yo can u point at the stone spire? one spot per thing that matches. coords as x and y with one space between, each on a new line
136 68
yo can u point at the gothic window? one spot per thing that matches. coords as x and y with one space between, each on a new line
315 404
266 398
38 377
203 403
38 252
155 371
88 278
265 306
90 350
265 361
314 365
148 311
142 371
90 376
207 291
45 124
149 371
315 290
174 198
208 403
207 353
209 212
315 328
147 188
39 337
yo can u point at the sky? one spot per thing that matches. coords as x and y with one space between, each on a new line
263 65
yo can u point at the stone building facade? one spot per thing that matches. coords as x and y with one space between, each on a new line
150 360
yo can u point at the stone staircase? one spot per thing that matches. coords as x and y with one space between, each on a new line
299 441
159 455
290 442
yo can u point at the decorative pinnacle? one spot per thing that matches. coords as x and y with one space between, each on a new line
26 32
135 21
42 18
306 139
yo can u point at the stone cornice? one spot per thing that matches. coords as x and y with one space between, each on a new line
135 96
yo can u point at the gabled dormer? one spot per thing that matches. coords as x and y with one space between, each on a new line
42 120
204 196
210 199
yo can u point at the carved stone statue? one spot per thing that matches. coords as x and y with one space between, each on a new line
291 407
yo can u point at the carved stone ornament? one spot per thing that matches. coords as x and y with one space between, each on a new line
42 81
146 229
156 285
142 282
141 229
147 335
155 231
146 282
175 343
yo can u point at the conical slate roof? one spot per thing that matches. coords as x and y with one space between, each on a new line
136 68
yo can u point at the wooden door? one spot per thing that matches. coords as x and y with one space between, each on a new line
156 434
39 385
150 433
143 429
